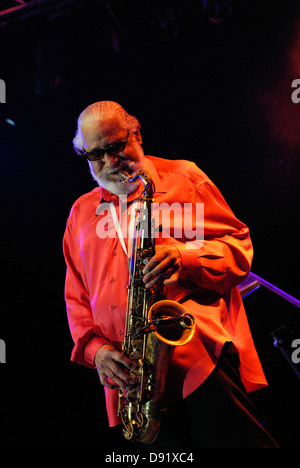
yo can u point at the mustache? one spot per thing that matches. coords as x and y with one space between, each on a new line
123 166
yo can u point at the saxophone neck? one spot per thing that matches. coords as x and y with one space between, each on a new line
145 177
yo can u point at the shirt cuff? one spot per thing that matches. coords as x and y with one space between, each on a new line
190 261
206 271
91 348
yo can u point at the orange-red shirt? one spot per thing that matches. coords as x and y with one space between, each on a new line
97 278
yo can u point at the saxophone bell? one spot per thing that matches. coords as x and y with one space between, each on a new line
180 324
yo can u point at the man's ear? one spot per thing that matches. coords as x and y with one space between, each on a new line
138 136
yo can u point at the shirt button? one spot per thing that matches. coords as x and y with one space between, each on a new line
113 280
121 332
113 306
114 253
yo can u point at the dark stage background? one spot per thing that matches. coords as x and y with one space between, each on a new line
217 93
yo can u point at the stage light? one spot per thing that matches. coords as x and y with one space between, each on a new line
10 122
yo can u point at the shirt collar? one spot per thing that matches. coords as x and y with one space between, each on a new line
106 196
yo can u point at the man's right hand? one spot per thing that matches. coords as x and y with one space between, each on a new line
113 365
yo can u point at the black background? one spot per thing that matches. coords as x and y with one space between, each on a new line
218 94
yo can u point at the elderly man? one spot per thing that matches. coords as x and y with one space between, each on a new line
209 377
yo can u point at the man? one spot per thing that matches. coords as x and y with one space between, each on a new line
208 377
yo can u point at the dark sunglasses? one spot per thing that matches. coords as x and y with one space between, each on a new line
97 154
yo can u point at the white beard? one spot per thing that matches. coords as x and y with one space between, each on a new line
115 187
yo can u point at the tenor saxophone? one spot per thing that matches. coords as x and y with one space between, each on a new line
153 328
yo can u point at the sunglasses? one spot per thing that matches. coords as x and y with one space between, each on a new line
97 154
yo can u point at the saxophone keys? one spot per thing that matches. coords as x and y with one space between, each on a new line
135 355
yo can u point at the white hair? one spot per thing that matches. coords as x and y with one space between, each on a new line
97 111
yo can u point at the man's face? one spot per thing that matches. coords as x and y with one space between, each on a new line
102 133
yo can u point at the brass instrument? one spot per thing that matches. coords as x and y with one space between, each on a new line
152 329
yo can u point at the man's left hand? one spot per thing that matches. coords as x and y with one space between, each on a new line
164 267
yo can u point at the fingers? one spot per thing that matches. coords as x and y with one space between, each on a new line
172 279
104 380
164 266
113 381
161 275
112 367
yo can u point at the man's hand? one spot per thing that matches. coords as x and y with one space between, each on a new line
113 365
164 266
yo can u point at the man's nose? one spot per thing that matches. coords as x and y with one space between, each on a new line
111 161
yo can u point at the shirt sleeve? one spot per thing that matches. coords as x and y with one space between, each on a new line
86 335
224 257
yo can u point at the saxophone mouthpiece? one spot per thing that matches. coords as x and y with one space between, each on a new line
123 177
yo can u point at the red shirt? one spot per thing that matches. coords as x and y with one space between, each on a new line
97 277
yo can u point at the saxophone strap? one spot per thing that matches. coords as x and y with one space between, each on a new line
130 228
118 227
